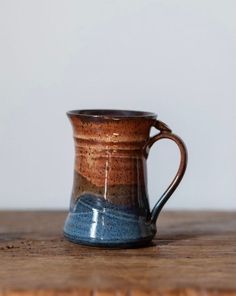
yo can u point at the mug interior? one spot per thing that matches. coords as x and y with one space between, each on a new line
111 113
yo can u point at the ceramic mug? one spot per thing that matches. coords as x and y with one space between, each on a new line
109 203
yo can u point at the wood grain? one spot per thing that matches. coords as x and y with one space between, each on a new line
193 254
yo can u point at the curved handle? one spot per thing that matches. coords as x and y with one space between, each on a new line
166 133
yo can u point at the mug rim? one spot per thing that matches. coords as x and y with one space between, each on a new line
112 113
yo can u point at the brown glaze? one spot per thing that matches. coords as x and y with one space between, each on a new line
109 158
125 195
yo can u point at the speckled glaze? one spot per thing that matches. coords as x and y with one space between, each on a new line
109 203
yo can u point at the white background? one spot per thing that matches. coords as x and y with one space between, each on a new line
177 58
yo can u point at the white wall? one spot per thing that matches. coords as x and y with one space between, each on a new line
177 58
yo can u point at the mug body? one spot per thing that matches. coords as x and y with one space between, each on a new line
109 202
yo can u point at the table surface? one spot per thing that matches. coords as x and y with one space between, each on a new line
194 253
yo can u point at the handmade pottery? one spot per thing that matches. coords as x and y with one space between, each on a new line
109 203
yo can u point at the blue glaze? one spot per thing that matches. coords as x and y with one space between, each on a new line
94 221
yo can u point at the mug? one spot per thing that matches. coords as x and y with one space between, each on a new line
109 203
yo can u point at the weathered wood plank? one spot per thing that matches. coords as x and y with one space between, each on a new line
193 254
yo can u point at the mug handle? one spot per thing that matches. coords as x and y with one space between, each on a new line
166 133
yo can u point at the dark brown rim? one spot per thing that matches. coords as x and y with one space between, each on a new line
111 114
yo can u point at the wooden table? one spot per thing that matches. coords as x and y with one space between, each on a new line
193 254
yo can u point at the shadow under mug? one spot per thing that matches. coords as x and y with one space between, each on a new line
109 202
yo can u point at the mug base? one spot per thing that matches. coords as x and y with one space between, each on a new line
118 244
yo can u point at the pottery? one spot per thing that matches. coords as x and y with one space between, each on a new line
109 202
